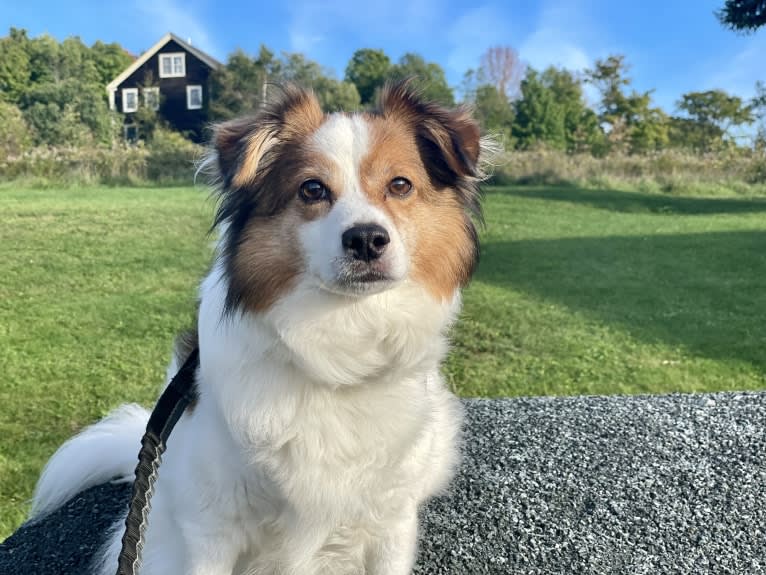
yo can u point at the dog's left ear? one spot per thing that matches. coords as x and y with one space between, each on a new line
449 139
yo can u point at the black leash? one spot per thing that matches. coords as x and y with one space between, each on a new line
179 393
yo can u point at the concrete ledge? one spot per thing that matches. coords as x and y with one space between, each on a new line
649 484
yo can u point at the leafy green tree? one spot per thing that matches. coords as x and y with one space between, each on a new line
59 87
333 94
14 65
44 55
743 15
14 131
711 115
368 70
109 59
716 107
539 117
552 111
428 77
631 123
68 113
581 127
239 87
336 95
494 111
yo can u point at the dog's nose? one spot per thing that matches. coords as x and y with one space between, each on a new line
365 241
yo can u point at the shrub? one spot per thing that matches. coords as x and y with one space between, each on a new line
169 159
667 171
14 131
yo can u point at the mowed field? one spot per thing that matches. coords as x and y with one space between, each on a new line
579 291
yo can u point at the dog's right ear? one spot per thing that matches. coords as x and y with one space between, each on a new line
242 146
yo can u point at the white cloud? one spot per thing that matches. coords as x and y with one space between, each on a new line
558 38
164 16
314 23
738 75
470 36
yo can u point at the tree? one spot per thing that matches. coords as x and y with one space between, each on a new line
502 68
552 111
109 59
334 95
240 86
743 15
494 111
14 131
14 65
368 70
631 123
710 116
337 96
67 113
428 77
538 119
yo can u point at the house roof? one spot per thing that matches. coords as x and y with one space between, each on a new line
138 62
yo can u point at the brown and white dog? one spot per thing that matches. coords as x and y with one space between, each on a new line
322 421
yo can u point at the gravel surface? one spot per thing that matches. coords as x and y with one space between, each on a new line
634 485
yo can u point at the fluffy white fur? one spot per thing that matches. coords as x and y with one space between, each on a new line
321 425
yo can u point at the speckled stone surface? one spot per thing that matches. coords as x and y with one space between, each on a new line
634 485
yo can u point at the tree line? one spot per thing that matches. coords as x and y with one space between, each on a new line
53 94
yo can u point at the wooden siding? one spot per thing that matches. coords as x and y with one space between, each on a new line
172 91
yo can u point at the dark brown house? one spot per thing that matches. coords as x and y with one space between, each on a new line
173 78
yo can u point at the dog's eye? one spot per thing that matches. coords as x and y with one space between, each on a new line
400 187
313 191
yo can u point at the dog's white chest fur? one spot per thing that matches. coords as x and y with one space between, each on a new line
302 468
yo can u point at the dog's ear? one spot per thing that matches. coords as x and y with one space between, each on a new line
241 145
449 139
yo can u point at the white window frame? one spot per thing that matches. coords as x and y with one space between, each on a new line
152 90
170 56
189 90
125 92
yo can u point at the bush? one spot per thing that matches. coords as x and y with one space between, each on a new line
171 157
667 171
14 131
168 159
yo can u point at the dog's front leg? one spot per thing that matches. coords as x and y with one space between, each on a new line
393 553
210 551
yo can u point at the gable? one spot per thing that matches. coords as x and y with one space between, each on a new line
147 65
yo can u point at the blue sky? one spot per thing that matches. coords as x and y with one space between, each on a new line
673 46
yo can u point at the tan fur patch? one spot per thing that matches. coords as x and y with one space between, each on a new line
300 118
258 143
432 221
268 260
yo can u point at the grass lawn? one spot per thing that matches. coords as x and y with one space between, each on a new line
579 291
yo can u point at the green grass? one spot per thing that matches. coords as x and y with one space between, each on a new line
598 292
579 291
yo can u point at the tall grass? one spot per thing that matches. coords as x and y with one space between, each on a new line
169 159
668 171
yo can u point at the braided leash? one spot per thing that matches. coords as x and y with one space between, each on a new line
179 393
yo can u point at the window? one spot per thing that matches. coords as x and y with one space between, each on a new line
193 97
152 98
173 65
129 99
130 131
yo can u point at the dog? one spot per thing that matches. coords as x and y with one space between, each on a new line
321 422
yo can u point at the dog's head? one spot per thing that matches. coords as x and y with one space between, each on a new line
352 204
